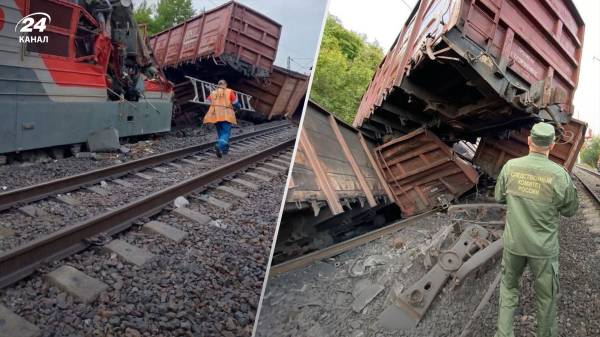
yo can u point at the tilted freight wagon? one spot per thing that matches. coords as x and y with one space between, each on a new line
335 187
278 96
235 43
231 35
466 69
342 182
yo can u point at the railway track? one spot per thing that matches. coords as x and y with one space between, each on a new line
590 180
338 248
139 195
589 200
40 191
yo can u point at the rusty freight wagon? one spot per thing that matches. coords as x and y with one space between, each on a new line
466 69
344 183
423 172
235 43
335 188
493 153
278 96
281 95
231 36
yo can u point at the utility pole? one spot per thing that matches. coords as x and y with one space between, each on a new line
289 63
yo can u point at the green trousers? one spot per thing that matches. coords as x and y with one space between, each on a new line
545 273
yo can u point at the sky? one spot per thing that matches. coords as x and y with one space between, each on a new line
301 23
382 20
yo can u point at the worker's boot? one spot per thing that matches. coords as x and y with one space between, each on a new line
218 151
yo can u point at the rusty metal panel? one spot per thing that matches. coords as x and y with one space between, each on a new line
437 17
232 31
423 172
501 61
319 146
175 40
278 95
360 157
493 153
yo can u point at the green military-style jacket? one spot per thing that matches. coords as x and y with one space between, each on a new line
536 191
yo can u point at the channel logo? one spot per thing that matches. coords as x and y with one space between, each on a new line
33 22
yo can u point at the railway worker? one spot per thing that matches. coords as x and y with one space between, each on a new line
536 191
223 104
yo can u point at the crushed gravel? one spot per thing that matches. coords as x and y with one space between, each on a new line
43 168
207 285
59 215
317 300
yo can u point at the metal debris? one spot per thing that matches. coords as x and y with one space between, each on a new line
408 308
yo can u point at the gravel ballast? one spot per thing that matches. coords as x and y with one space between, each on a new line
208 284
318 300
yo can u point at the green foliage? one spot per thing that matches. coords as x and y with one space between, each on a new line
590 152
143 13
165 14
344 69
172 12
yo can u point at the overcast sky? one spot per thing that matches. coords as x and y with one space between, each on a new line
301 23
382 20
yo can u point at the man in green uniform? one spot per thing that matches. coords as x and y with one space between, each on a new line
536 191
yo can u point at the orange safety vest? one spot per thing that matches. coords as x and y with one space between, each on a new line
221 109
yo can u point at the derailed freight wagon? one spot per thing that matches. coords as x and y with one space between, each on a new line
335 187
493 153
230 36
277 96
423 172
478 71
343 183
466 69
235 43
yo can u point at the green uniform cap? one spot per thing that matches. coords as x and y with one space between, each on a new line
542 134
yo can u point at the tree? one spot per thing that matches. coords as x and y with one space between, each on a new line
170 13
344 69
143 15
590 152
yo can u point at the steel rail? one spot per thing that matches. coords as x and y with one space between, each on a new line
43 190
595 194
23 260
597 174
345 246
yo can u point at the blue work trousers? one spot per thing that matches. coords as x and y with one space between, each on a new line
223 133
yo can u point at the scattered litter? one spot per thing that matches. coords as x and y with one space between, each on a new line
83 155
398 243
103 184
364 292
357 268
180 202
324 270
374 260
218 223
